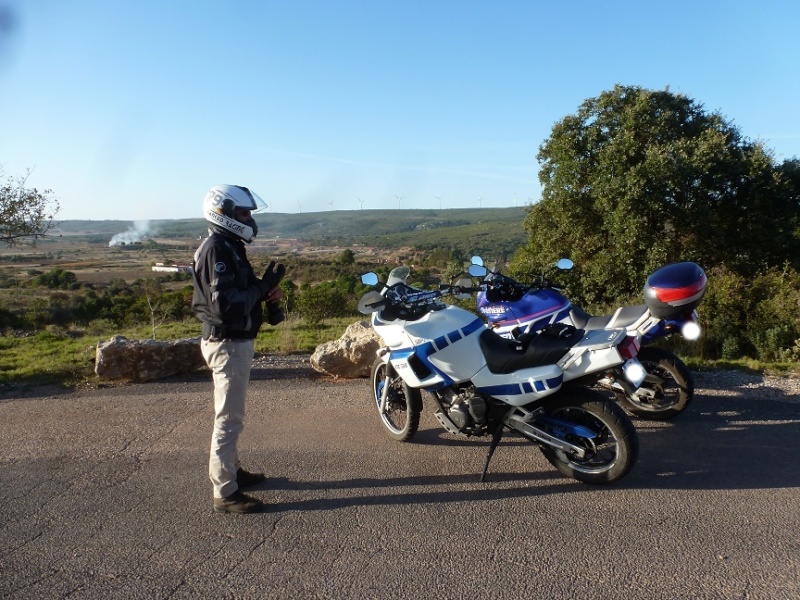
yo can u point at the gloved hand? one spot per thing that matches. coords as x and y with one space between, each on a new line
271 278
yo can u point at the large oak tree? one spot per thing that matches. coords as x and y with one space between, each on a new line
640 178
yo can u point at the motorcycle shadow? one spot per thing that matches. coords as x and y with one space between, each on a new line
721 443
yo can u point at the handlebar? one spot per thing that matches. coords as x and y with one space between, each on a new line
460 289
421 301
412 301
505 284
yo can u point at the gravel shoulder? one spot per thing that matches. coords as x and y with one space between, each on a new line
748 385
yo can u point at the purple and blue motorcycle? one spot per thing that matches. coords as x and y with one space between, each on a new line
671 296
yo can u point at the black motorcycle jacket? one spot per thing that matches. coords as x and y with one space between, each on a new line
227 297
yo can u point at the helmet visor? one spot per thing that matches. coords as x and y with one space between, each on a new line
259 203
256 203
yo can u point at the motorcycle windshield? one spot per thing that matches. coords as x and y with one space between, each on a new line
398 275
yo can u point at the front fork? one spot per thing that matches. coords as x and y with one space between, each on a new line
384 387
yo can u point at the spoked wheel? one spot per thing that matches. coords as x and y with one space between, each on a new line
586 419
403 405
667 390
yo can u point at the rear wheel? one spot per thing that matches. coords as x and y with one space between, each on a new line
587 419
400 414
667 390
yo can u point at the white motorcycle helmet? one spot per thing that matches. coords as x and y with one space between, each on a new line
220 205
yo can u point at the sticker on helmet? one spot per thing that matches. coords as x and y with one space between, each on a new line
220 267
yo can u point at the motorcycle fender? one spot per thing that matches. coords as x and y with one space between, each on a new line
520 387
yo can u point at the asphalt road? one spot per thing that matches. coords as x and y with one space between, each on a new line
104 494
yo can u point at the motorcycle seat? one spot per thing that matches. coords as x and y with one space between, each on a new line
627 315
506 356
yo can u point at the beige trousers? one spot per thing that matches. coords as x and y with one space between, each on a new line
230 362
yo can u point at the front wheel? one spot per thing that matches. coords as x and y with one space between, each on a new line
400 413
588 420
667 389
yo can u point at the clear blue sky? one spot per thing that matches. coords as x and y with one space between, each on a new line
132 110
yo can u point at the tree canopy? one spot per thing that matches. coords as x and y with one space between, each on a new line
640 178
24 212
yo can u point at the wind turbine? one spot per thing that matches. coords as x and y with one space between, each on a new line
361 202
398 200
330 203
299 206
480 199
439 198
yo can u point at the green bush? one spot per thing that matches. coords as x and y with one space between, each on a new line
758 318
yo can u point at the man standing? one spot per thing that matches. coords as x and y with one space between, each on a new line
227 299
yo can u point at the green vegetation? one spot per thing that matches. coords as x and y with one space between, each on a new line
634 180
66 356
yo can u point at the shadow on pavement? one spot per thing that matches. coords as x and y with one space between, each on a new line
721 442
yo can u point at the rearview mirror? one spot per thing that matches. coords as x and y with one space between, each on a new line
369 278
477 270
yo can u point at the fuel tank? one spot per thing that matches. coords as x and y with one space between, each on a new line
535 310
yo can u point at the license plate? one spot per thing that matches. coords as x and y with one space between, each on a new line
634 371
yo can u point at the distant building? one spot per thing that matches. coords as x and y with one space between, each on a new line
162 268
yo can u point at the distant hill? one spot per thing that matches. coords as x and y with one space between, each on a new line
493 230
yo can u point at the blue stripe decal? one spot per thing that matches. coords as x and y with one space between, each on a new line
507 389
442 343
527 387
425 350
454 336
539 385
555 382
472 327
401 354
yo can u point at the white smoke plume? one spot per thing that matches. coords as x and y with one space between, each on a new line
136 233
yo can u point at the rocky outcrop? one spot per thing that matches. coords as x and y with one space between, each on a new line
351 355
133 360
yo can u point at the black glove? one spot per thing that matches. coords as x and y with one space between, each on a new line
272 276
269 281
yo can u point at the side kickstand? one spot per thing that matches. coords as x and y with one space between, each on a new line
496 435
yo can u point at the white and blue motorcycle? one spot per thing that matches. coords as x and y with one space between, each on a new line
482 383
